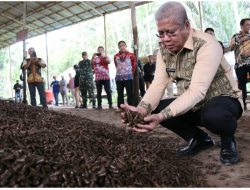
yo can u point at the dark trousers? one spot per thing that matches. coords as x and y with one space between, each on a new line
142 86
219 115
106 84
242 80
56 97
41 91
128 85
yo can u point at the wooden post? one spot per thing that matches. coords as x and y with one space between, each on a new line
47 59
24 56
11 87
105 34
148 30
135 46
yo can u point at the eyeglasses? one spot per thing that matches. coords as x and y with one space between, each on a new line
169 33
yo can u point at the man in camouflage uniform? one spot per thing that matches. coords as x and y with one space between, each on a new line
86 80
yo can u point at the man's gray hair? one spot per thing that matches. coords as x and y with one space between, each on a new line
172 10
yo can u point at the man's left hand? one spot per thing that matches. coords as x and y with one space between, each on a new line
152 122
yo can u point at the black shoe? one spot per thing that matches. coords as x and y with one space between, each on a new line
93 104
111 107
99 107
195 146
228 153
84 106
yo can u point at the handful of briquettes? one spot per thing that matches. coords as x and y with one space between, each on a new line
133 118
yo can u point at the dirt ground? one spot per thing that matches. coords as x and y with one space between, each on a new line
217 174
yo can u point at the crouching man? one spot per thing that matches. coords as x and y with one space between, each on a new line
209 95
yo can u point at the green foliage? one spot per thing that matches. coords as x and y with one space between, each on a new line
244 7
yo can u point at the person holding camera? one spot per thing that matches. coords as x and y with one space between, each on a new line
34 77
86 83
100 64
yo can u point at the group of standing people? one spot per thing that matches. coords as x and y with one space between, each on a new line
98 66
84 79
63 87
91 74
94 74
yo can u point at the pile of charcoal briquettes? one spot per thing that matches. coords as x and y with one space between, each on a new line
43 148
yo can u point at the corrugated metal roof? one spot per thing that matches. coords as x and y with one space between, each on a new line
45 16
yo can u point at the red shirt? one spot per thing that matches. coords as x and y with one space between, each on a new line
125 63
101 68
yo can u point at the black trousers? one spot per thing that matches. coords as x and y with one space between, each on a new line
219 115
142 86
241 74
128 85
106 84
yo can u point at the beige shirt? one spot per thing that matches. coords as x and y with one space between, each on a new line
200 70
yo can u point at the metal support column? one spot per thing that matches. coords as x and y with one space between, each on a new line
105 35
135 38
47 59
24 55
200 14
11 87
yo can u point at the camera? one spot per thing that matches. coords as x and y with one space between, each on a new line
98 54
